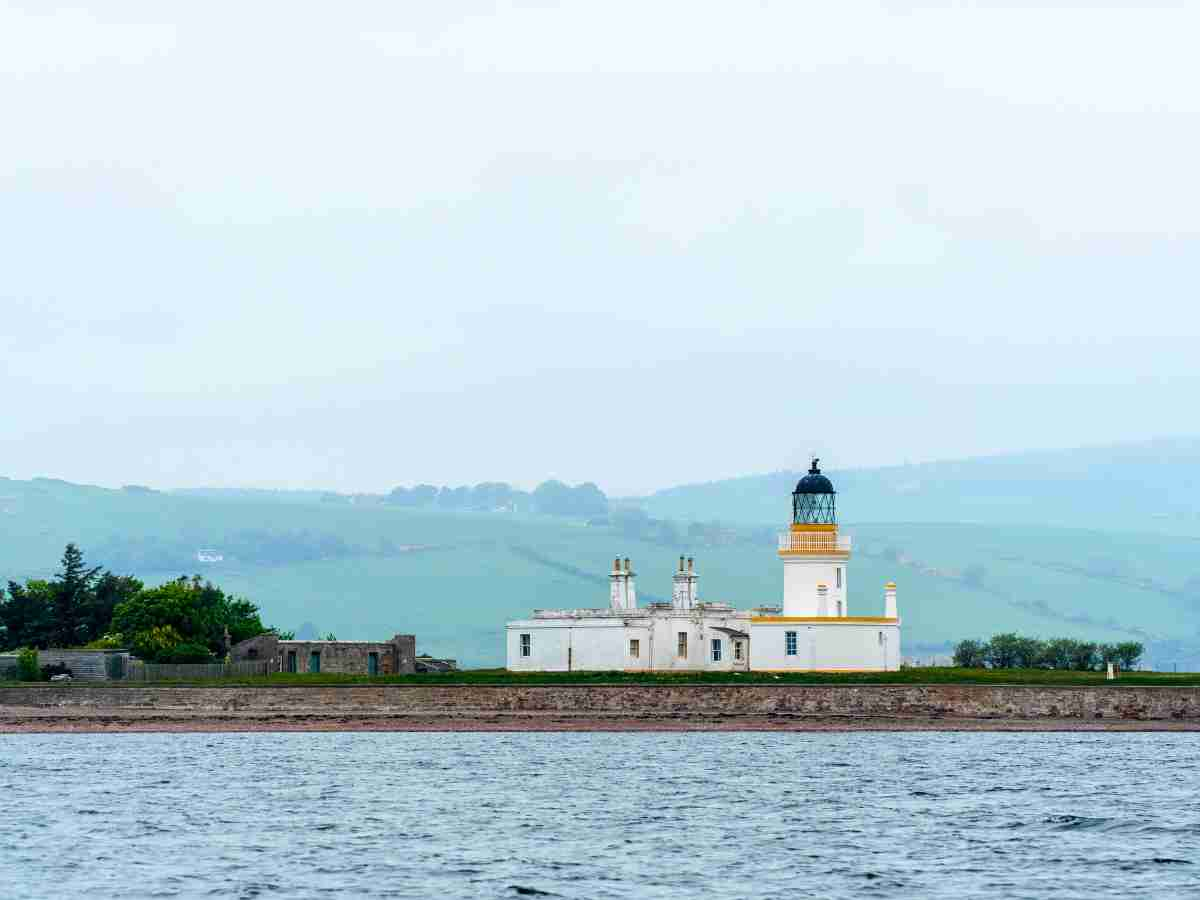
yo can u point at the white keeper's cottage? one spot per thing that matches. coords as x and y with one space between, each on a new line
812 631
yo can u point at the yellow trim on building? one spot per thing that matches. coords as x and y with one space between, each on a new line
825 620
817 551
814 526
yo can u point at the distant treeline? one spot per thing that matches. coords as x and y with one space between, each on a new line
549 498
1014 651
633 522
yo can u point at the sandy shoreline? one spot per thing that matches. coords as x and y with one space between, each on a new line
40 722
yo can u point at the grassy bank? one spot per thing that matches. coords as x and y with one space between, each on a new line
931 675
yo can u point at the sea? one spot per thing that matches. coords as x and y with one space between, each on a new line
596 815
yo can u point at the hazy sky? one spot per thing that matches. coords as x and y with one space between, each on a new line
354 245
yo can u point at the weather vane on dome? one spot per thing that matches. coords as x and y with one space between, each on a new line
814 470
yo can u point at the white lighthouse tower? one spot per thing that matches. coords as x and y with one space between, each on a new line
814 555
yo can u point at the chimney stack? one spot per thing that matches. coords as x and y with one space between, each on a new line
630 591
616 582
889 601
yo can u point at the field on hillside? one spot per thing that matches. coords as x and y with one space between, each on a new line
367 571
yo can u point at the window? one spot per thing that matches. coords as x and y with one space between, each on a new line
682 648
372 663
716 650
737 650
635 647
789 643
314 661
839 576
527 645
291 661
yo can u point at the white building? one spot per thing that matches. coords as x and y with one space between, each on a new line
811 631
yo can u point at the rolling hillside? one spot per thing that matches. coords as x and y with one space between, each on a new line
1152 486
366 569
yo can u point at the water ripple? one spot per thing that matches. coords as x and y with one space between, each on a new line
600 815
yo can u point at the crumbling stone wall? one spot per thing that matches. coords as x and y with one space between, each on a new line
1008 702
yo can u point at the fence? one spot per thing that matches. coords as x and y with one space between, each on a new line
142 671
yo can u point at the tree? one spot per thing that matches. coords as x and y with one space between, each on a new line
185 612
26 617
73 596
111 590
1083 656
1129 654
557 499
1029 652
1058 653
970 654
1003 651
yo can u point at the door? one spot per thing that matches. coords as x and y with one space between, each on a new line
372 663
291 661
741 654
314 661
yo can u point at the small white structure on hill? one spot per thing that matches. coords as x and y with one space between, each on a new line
812 631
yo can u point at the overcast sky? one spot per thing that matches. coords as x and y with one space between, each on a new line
354 245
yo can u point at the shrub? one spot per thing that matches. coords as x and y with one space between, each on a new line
970 654
187 653
27 665
107 642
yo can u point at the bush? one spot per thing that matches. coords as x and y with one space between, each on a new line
1013 651
970 654
186 653
107 642
27 665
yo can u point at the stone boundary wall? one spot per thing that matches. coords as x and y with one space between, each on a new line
981 702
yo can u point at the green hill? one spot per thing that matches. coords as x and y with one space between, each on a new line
1152 486
367 569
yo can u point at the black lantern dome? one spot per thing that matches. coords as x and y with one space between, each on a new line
813 501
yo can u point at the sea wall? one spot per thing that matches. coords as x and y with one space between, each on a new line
685 701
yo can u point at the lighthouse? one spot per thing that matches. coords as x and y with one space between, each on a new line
812 631
814 555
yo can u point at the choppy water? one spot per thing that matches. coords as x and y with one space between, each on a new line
600 815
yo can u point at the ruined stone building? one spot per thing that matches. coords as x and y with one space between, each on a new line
395 657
